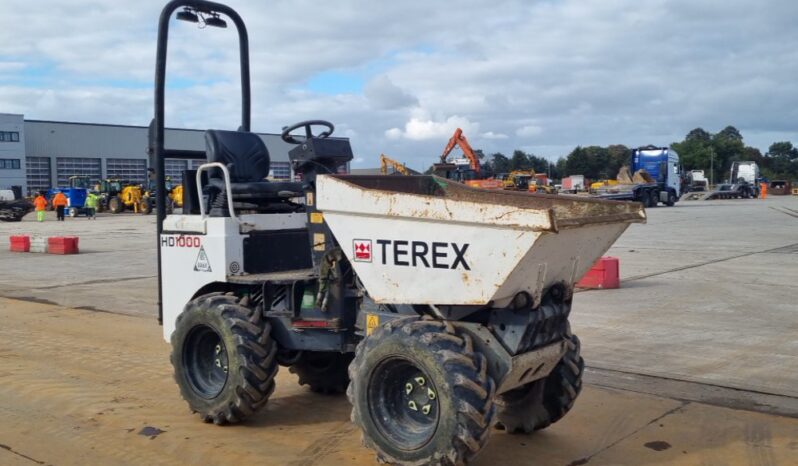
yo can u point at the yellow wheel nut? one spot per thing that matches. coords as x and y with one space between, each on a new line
420 381
412 405
408 388
426 409
430 394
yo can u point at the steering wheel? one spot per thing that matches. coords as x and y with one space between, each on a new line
286 136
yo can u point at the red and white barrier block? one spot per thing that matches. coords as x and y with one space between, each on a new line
50 245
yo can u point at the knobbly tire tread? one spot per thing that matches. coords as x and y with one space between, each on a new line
547 400
467 386
330 380
247 336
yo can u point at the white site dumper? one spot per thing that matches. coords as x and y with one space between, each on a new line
440 309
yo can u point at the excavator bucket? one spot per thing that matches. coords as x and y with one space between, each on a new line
428 240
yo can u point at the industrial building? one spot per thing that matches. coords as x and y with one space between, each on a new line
38 154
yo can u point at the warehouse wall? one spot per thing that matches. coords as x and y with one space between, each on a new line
101 151
12 151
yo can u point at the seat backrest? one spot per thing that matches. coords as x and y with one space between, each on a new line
244 154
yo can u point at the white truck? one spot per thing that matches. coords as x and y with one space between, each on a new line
743 183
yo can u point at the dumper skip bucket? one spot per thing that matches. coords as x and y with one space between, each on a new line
428 240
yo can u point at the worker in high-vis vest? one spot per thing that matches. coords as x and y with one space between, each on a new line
40 203
60 202
92 200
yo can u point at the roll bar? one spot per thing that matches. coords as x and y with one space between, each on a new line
158 153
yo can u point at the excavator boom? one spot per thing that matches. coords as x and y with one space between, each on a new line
459 139
386 162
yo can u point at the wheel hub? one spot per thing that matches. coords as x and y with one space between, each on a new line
404 403
206 361
419 396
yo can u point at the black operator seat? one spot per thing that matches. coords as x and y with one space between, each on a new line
246 157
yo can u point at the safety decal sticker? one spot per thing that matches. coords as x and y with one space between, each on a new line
202 264
372 322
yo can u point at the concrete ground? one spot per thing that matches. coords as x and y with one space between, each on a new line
709 294
82 387
706 315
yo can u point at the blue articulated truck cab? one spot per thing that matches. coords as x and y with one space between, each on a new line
662 164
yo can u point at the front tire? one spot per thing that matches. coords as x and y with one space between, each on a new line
224 358
671 199
323 372
421 394
543 402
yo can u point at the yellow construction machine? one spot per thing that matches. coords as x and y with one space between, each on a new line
176 196
518 180
131 197
602 183
387 162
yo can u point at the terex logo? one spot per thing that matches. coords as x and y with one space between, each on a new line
422 254
362 248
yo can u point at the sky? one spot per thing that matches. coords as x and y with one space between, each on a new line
399 77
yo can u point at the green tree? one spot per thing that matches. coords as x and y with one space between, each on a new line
561 169
618 155
577 162
781 161
520 161
698 134
499 163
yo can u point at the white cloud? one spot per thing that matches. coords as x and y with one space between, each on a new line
421 129
393 133
528 131
492 135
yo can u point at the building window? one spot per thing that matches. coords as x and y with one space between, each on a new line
37 172
74 166
174 170
195 164
9 136
9 164
133 171
280 171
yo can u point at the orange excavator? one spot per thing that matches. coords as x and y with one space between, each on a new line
469 172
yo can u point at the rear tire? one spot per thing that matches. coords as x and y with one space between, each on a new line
115 205
421 394
653 198
145 207
543 402
73 212
224 358
323 372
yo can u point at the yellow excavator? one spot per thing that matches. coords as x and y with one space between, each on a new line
526 180
518 180
387 162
